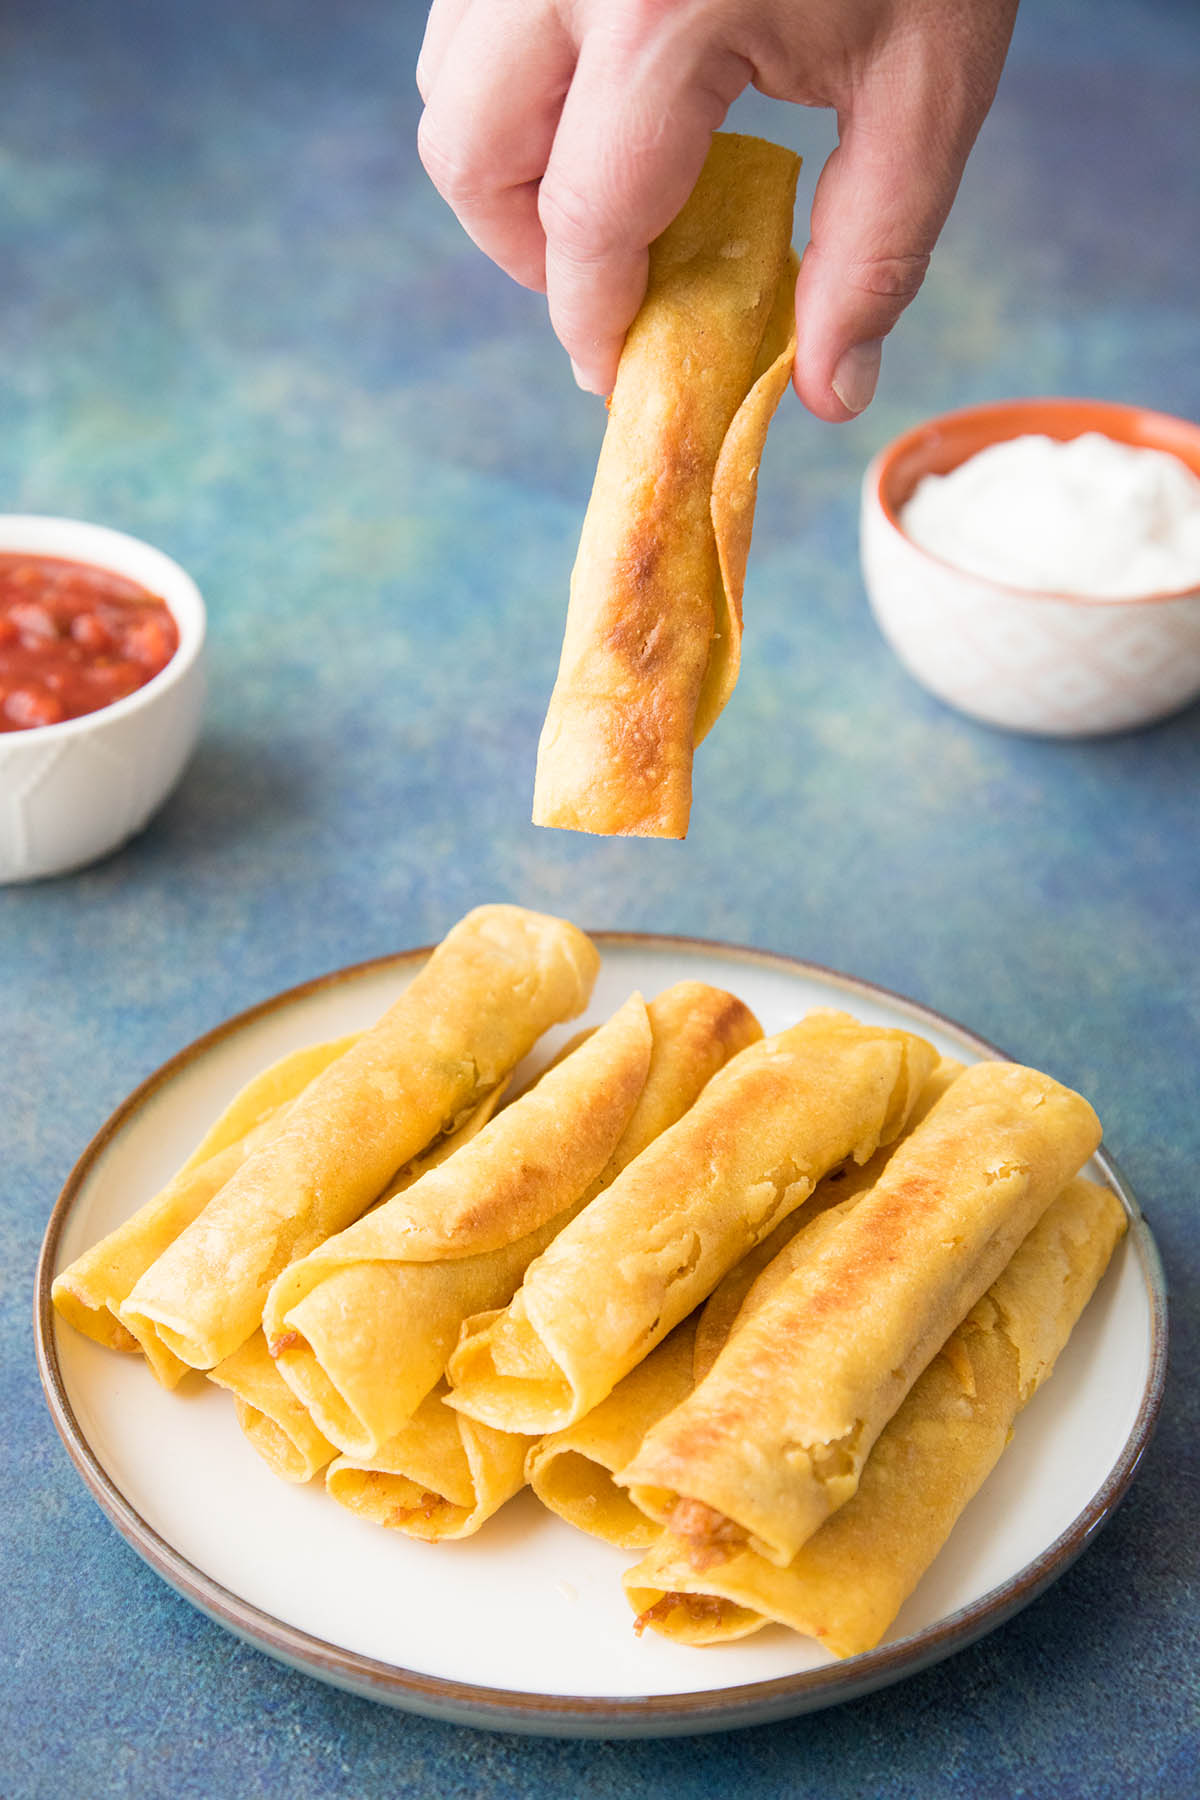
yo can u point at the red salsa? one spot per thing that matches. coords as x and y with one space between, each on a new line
73 639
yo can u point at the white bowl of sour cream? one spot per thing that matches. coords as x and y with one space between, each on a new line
1036 563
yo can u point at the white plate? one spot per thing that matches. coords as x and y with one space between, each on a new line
525 1627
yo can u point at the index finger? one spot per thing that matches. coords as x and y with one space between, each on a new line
445 17
494 89
635 128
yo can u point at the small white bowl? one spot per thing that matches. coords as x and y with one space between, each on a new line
71 793
1047 663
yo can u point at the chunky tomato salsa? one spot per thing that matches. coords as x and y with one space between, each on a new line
73 639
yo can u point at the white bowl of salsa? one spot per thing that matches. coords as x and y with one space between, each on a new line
101 689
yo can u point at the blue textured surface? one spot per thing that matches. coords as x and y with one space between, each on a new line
237 321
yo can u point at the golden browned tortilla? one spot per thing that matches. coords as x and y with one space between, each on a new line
571 1471
363 1326
653 632
774 1438
636 1261
499 979
847 1583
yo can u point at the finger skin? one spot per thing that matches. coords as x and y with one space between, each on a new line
495 89
634 132
445 17
884 195
566 135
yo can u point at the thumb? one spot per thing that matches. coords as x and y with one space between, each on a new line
879 205
883 196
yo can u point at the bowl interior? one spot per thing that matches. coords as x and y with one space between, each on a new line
941 444
76 540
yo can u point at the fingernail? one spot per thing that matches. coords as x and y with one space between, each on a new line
588 383
856 375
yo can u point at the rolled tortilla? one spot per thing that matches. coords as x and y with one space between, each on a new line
653 634
571 1471
90 1291
695 1029
495 983
774 1438
440 1476
840 1188
612 1285
848 1582
363 1327
274 1421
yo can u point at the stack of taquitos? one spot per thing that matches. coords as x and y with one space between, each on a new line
764 1450
618 1278
498 980
775 1437
846 1584
441 1474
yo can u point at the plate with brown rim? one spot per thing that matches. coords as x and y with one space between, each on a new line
525 1627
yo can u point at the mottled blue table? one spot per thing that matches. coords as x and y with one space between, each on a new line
237 321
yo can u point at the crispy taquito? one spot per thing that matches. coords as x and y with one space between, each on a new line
571 1471
848 1582
774 1438
612 1285
498 980
654 624
89 1293
272 1417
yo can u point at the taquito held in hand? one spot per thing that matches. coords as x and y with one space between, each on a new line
775 1437
89 1293
653 632
498 980
362 1328
765 1130
848 1582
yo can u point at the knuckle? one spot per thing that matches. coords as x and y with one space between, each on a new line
637 20
573 221
450 167
896 278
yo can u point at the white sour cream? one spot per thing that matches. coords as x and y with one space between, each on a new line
1087 516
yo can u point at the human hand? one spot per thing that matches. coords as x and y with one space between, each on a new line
567 134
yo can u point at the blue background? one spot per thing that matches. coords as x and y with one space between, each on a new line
236 320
